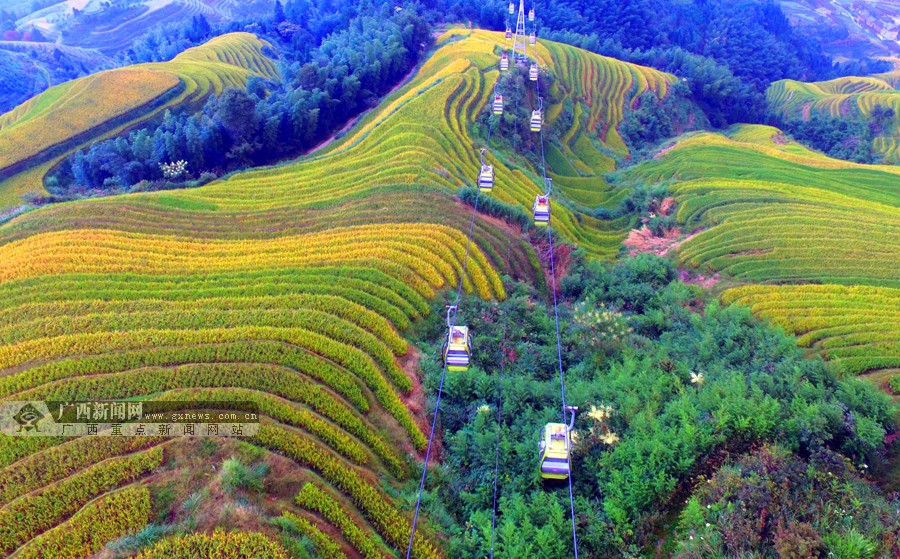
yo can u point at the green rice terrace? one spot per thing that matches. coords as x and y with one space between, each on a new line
817 240
42 131
288 286
310 291
844 97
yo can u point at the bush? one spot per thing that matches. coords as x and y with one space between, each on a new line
495 208
774 500
837 137
798 541
236 476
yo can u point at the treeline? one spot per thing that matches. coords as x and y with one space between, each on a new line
840 137
728 51
299 25
320 90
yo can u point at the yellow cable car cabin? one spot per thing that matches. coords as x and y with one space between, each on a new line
530 14
541 210
504 62
457 349
533 73
555 447
532 39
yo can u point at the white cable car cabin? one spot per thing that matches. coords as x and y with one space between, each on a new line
532 39
457 349
486 175
530 14
555 448
536 120
533 73
541 209
512 8
537 117
497 105
504 62
508 33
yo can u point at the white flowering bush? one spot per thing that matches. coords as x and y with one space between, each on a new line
599 327
174 170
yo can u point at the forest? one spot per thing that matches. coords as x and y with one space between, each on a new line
670 386
848 138
320 90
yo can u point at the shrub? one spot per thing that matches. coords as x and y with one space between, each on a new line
237 476
798 541
850 545
773 500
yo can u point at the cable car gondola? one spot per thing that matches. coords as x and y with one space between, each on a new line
537 117
457 349
512 8
533 73
532 39
486 175
497 105
541 210
541 207
508 33
530 14
555 446
504 62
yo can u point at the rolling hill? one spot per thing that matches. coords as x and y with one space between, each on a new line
817 240
867 27
844 97
42 131
110 27
286 287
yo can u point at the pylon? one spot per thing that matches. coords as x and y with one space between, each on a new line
520 39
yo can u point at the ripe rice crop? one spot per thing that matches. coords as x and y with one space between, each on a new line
101 521
75 114
858 328
288 287
779 214
232 544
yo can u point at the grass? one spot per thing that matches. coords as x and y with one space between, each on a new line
821 237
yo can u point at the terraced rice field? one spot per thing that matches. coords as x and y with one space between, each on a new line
856 327
286 287
843 97
420 136
42 131
600 89
820 236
